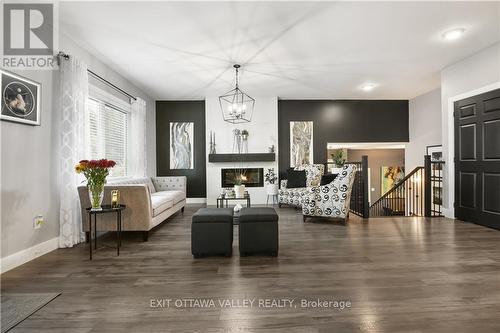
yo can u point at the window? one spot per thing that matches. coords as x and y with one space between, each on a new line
106 134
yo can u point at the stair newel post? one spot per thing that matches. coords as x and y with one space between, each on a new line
366 205
427 185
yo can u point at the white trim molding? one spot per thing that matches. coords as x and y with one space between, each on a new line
450 164
17 259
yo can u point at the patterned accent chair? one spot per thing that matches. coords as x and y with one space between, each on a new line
294 196
331 200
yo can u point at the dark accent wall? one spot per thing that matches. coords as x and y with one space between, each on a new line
182 111
341 121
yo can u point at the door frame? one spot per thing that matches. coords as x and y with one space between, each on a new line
449 179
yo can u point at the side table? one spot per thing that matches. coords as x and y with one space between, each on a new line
105 210
221 199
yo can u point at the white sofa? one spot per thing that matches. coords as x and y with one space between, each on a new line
149 202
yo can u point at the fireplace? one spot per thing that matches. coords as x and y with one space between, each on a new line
251 177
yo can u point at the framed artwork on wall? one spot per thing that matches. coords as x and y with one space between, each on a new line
436 153
390 176
181 145
20 99
301 143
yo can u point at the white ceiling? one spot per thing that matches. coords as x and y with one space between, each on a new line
287 49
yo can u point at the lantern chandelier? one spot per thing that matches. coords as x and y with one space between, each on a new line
236 106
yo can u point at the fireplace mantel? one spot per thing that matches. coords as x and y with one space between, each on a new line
249 157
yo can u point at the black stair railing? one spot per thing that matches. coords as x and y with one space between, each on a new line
433 187
417 194
406 198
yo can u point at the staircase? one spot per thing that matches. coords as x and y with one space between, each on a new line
418 194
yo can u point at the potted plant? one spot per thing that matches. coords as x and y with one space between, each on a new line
339 160
239 188
271 178
95 171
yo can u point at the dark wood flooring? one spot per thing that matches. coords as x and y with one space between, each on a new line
400 275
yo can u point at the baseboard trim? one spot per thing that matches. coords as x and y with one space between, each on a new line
449 213
17 259
196 200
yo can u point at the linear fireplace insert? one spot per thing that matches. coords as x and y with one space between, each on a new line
250 177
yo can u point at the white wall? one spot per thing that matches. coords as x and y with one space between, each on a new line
424 127
468 77
263 132
29 162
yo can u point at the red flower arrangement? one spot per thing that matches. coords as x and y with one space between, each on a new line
96 172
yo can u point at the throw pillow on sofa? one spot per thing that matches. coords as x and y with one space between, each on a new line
328 178
296 179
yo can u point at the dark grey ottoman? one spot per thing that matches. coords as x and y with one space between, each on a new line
258 231
212 232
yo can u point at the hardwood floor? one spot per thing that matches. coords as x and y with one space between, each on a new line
400 275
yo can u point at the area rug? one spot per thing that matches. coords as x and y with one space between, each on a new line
18 307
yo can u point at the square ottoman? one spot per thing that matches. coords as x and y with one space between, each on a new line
258 231
212 232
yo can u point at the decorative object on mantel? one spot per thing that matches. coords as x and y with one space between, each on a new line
270 178
212 143
236 106
301 143
244 141
271 149
96 172
236 141
240 141
20 99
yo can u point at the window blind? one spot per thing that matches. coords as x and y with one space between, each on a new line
106 132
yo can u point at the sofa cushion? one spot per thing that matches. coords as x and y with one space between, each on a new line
128 181
160 203
175 196
296 179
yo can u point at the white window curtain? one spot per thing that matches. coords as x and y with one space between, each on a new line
72 99
137 143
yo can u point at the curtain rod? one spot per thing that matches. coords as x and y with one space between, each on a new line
97 76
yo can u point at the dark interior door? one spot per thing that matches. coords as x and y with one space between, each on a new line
477 159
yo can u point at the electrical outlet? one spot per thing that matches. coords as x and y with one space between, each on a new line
38 221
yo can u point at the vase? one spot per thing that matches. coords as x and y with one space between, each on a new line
239 191
272 189
96 194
